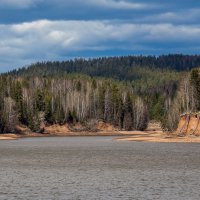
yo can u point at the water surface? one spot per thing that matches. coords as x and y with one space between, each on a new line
98 168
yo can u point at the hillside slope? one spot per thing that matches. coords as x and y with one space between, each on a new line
123 91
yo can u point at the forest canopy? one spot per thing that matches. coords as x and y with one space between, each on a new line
124 91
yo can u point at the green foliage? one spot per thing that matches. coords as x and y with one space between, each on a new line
48 108
39 100
156 107
195 82
128 113
34 122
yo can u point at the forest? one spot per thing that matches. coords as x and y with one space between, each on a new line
121 68
124 91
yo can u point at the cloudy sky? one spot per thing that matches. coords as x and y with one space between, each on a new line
40 30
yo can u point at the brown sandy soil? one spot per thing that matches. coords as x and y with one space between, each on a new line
102 133
104 129
66 134
141 136
66 130
9 137
154 133
189 124
105 126
137 136
57 129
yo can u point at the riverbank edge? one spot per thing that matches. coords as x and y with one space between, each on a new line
159 137
9 136
123 136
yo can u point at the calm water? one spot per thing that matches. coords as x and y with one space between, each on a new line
98 168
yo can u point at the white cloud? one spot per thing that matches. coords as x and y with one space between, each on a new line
47 40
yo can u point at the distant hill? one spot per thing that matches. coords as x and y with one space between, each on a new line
122 68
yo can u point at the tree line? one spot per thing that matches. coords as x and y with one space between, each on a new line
121 68
30 101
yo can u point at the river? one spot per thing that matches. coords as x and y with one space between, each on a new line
92 168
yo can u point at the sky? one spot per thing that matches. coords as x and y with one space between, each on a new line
46 30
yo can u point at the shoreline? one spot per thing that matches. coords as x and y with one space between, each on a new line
12 136
124 136
9 136
159 136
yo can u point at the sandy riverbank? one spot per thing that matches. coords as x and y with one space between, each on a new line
135 136
69 134
153 134
9 137
158 136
